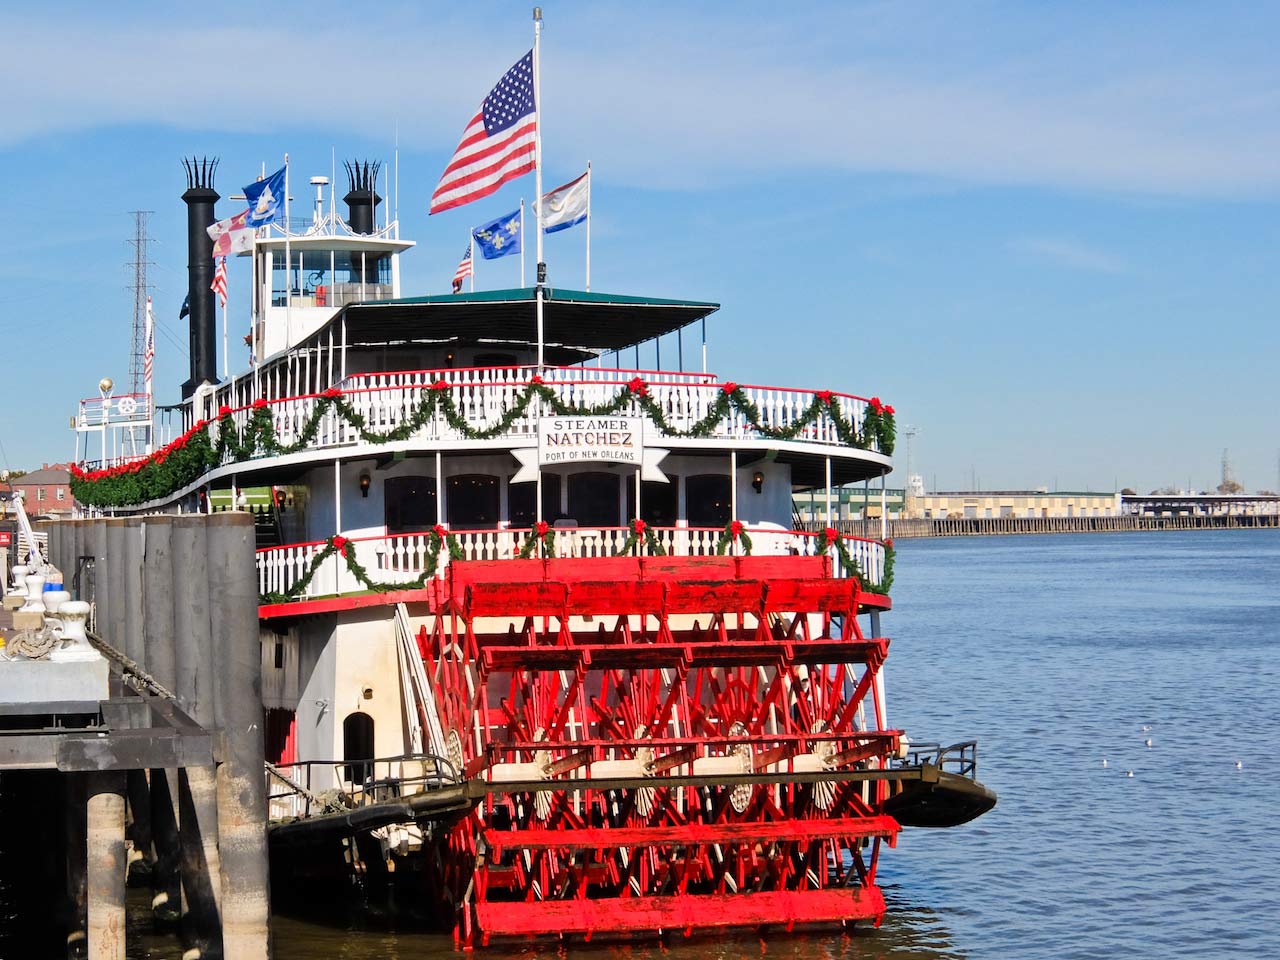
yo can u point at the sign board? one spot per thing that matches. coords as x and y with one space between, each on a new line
578 439
6 539
567 441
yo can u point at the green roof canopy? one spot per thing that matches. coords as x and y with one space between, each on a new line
571 318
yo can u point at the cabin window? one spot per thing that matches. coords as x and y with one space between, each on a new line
707 500
593 499
520 501
657 502
410 504
471 502
357 747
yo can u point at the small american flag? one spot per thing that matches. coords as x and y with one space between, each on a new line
149 351
463 271
498 144
219 285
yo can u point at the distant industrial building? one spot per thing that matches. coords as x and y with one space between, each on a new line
863 503
1201 504
971 504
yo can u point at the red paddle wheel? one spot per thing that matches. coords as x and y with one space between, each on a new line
665 744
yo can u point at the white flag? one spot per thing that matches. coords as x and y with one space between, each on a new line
566 206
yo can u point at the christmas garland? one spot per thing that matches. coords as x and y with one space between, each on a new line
438 539
733 530
540 534
183 461
831 537
640 529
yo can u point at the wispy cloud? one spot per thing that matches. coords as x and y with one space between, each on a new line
691 97
1069 253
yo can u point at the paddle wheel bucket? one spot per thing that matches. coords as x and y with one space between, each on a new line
663 744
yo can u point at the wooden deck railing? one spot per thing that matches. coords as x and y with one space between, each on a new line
401 558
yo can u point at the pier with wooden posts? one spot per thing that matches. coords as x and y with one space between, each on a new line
899 528
143 748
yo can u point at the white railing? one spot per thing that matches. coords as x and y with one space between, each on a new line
402 558
482 396
482 402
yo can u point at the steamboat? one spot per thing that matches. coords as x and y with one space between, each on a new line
545 649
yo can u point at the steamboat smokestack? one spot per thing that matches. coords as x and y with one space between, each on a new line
362 200
362 205
200 198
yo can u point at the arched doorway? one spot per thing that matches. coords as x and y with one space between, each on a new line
357 747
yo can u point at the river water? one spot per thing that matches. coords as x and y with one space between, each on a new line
1062 655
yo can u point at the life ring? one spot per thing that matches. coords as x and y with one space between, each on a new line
127 406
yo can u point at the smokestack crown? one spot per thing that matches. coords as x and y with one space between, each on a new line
362 199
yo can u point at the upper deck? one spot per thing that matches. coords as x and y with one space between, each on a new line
826 437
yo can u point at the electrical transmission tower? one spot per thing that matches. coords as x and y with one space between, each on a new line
141 288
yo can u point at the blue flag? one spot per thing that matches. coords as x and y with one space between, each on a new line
266 200
499 237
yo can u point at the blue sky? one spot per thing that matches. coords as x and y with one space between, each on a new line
1047 234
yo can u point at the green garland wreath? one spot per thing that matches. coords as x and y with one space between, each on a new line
540 534
640 530
437 539
733 530
182 462
850 563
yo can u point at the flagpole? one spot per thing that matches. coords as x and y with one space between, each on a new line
288 263
471 247
537 172
226 356
522 243
149 365
589 233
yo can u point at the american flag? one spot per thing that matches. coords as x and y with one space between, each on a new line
463 271
219 285
149 351
498 144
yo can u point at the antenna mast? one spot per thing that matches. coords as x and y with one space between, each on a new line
141 288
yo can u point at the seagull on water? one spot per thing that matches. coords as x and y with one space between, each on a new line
1239 764
1129 774
1148 741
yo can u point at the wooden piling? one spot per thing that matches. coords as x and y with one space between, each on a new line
242 795
197 786
158 658
105 866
